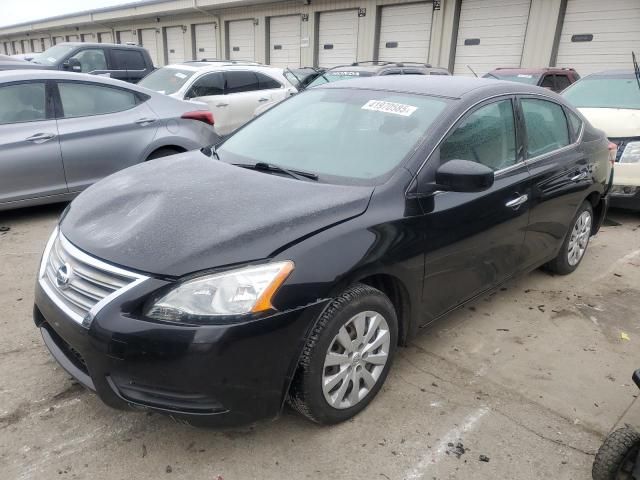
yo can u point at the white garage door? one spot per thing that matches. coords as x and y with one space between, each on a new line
284 41
338 38
57 40
242 40
490 34
47 43
405 32
125 36
105 37
599 35
73 38
36 45
206 43
149 39
26 46
175 45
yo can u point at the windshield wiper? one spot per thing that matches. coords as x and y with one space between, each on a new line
210 151
272 167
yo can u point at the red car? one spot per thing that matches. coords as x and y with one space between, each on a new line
555 79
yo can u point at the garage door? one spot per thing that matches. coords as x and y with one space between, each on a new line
149 39
338 38
284 41
47 43
36 45
405 32
175 45
57 40
490 34
206 43
599 35
242 40
125 36
105 37
73 38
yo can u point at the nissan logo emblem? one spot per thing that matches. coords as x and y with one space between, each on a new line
63 275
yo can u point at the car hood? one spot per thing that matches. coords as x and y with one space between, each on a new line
615 122
21 65
187 213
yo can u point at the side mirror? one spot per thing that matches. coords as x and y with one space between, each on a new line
72 64
464 176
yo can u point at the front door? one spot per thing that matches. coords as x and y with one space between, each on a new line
30 163
474 241
102 129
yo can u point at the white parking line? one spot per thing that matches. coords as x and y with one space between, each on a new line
432 457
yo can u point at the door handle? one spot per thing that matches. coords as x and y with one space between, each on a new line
40 137
145 121
263 99
579 176
220 105
516 202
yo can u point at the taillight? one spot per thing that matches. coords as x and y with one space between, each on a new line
199 115
613 152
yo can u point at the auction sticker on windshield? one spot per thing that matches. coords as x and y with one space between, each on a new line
389 107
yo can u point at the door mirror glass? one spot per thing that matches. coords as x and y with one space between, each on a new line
464 176
73 64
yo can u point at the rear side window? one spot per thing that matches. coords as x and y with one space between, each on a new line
83 100
238 82
562 82
128 59
207 85
487 136
546 126
22 103
265 82
576 124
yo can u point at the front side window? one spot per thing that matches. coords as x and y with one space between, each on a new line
345 136
82 100
91 60
207 85
24 102
546 126
238 82
128 59
486 136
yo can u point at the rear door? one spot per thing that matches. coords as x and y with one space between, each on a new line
242 94
102 130
30 164
474 241
560 176
209 88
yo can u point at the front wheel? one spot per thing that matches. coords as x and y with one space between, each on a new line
347 356
576 243
617 455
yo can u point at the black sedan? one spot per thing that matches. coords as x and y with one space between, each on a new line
290 262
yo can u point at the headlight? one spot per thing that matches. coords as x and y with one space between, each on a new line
235 292
631 153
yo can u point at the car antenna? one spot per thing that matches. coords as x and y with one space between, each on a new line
472 71
636 69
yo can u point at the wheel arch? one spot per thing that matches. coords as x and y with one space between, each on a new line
176 148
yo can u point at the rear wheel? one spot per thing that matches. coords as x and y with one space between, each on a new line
575 245
617 455
347 356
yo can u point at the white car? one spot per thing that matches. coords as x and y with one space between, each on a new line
232 90
611 102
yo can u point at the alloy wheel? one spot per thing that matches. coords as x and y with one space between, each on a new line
579 238
355 359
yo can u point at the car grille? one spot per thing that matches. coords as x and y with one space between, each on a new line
621 143
78 283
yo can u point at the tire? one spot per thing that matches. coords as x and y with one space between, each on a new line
359 306
564 263
616 456
162 152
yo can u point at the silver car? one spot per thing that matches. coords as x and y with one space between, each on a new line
60 132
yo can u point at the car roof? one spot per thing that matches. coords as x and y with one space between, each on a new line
378 66
200 65
95 44
23 75
530 70
439 85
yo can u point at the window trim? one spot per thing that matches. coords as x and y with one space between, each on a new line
200 77
49 110
529 160
59 110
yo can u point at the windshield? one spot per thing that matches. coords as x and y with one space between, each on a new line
52 55
345 136
335 76
529 78
599 92
166 80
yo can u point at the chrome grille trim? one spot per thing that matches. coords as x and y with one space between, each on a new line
92 285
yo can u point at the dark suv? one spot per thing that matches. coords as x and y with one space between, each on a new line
554 79
123 62
376 68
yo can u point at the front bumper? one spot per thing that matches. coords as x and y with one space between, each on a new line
214 375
